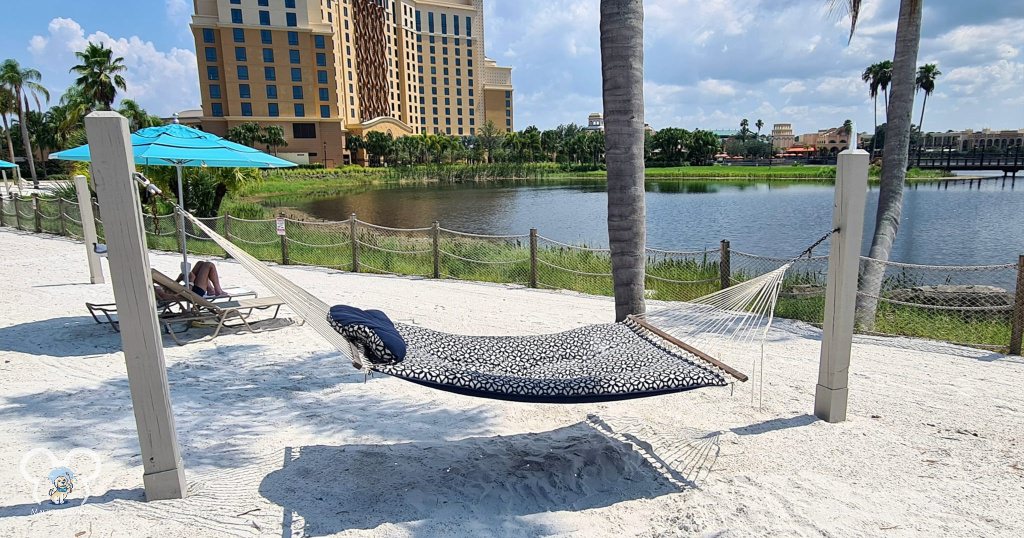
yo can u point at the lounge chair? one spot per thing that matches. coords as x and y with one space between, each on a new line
200 309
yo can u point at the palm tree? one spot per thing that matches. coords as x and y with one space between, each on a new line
24 83
759 124
273 137
884 80
926 75
98 74
8 106
622 74
872 76
247 134
896 154
744 128
137 117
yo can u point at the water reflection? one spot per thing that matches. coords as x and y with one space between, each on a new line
943 222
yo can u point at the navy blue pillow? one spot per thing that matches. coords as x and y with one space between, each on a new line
381 343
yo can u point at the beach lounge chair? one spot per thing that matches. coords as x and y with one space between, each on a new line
206 310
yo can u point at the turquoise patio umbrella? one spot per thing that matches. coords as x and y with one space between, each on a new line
180 146
5 165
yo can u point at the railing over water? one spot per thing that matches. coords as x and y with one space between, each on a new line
981 306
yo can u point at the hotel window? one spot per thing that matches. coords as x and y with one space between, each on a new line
430 25
444 23
293 39
208 35
236 16
263 3
271 91
211 54
240 55
319 42
272 110
455 24
296 92
325 111
212 73
244 92
217 109
508 95
243 72
325 94
214 91
247 109
264 18
296 74
300 110
469 28
268 55
293 56
269 73
321 76
236 2
266 37
290 20
303 130
419 22
290 4
239 35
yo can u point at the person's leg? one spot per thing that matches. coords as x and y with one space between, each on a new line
214 278
201 277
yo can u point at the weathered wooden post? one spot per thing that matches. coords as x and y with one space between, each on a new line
37 214
436 233
533 257
353 231
1017 331
830 397
17 211
725 264
61 218
113 166
227 226
282 232
88 230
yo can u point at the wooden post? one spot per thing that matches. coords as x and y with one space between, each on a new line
17 211
88 230
725 265
284 243
113 165
1017 332
227 226
2 204
60 216
37 214
830 397
437 248
353 229
533 257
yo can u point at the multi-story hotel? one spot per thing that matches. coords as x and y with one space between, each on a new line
327 69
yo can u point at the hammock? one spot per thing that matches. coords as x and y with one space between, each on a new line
643 356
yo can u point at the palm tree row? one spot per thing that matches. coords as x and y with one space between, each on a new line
61 126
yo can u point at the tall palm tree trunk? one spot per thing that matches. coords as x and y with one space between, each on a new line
896 155
7 133
920 124
622 72
874 134
22 115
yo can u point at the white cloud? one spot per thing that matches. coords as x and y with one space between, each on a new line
716 87
793 86
163 82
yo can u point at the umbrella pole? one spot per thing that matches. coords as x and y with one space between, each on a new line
185 269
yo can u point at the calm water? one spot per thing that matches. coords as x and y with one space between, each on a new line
955 222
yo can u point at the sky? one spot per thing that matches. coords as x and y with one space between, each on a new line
708 63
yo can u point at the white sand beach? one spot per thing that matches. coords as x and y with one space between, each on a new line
281 437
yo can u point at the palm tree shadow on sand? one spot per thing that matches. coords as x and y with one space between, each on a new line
481 484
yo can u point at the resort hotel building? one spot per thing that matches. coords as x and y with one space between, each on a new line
325 70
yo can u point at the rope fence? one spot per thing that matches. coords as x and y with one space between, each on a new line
981 306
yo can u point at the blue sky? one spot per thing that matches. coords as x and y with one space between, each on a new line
709 63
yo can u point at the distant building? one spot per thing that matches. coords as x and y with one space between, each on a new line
192 117
724 134
831 140
595 122
325 70
782 136
969 139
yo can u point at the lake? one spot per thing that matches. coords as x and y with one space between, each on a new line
948 222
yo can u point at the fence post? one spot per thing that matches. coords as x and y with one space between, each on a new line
60 217
177 231
725 265
1017 332
17 211
353 229
37 213
533 257
832 391
227 226
88 230
284 242
3 203
437 248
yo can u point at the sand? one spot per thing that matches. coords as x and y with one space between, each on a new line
280 437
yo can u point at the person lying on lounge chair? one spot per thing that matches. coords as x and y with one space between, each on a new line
203 279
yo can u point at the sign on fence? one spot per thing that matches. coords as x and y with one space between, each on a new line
280 225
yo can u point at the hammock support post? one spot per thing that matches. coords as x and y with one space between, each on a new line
89 230
832 392
113 166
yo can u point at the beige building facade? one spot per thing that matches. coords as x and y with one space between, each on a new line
782 136
969 139
327 69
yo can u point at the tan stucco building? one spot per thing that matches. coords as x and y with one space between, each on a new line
327 69
969 139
